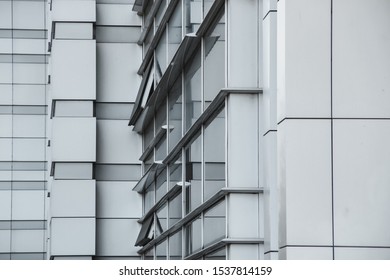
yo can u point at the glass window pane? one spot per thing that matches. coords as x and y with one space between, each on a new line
175 172
193 175
217 255
214 62
148 134
160 13
149 255
149 197
161 250
193 15
161 184
175 246
206 6
174 31
193 236
175 114
175 210
214 156
192 80
161 57
161 221
214 224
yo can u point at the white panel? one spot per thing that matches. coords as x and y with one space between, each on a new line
243 216
64 10
29 46
362 253
29 95
305 181
29 149
73 198
73 170
116 199
359 78
6 125
5 205
28 175
29 73
29 125
242 124
243 252
74 69
6 93
5 237
28 14
5 72
28 241
5 44
116 237
361 182
242 46
5 175
74 139
307 60
117 72
5 149
5 14
73 236
73 30
117 143
306 253
116 15
73 108
28 205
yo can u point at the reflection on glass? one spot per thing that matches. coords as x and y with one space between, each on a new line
214 156
161 183
193 15
193 175
174 31
161 251
214 61
161 221
214 224
175 116
161 121
192 80
175 210
193 236
175 246
161 57
217 255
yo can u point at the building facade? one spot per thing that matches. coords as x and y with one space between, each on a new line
194 129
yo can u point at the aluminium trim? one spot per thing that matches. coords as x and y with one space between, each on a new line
149 21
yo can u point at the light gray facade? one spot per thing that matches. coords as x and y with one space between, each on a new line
194 129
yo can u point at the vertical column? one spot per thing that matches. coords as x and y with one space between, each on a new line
243 214
73 129
304 146
268 126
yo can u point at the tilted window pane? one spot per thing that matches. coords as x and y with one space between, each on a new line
161 184
161 57
193 98
149 198
161 221
175 172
